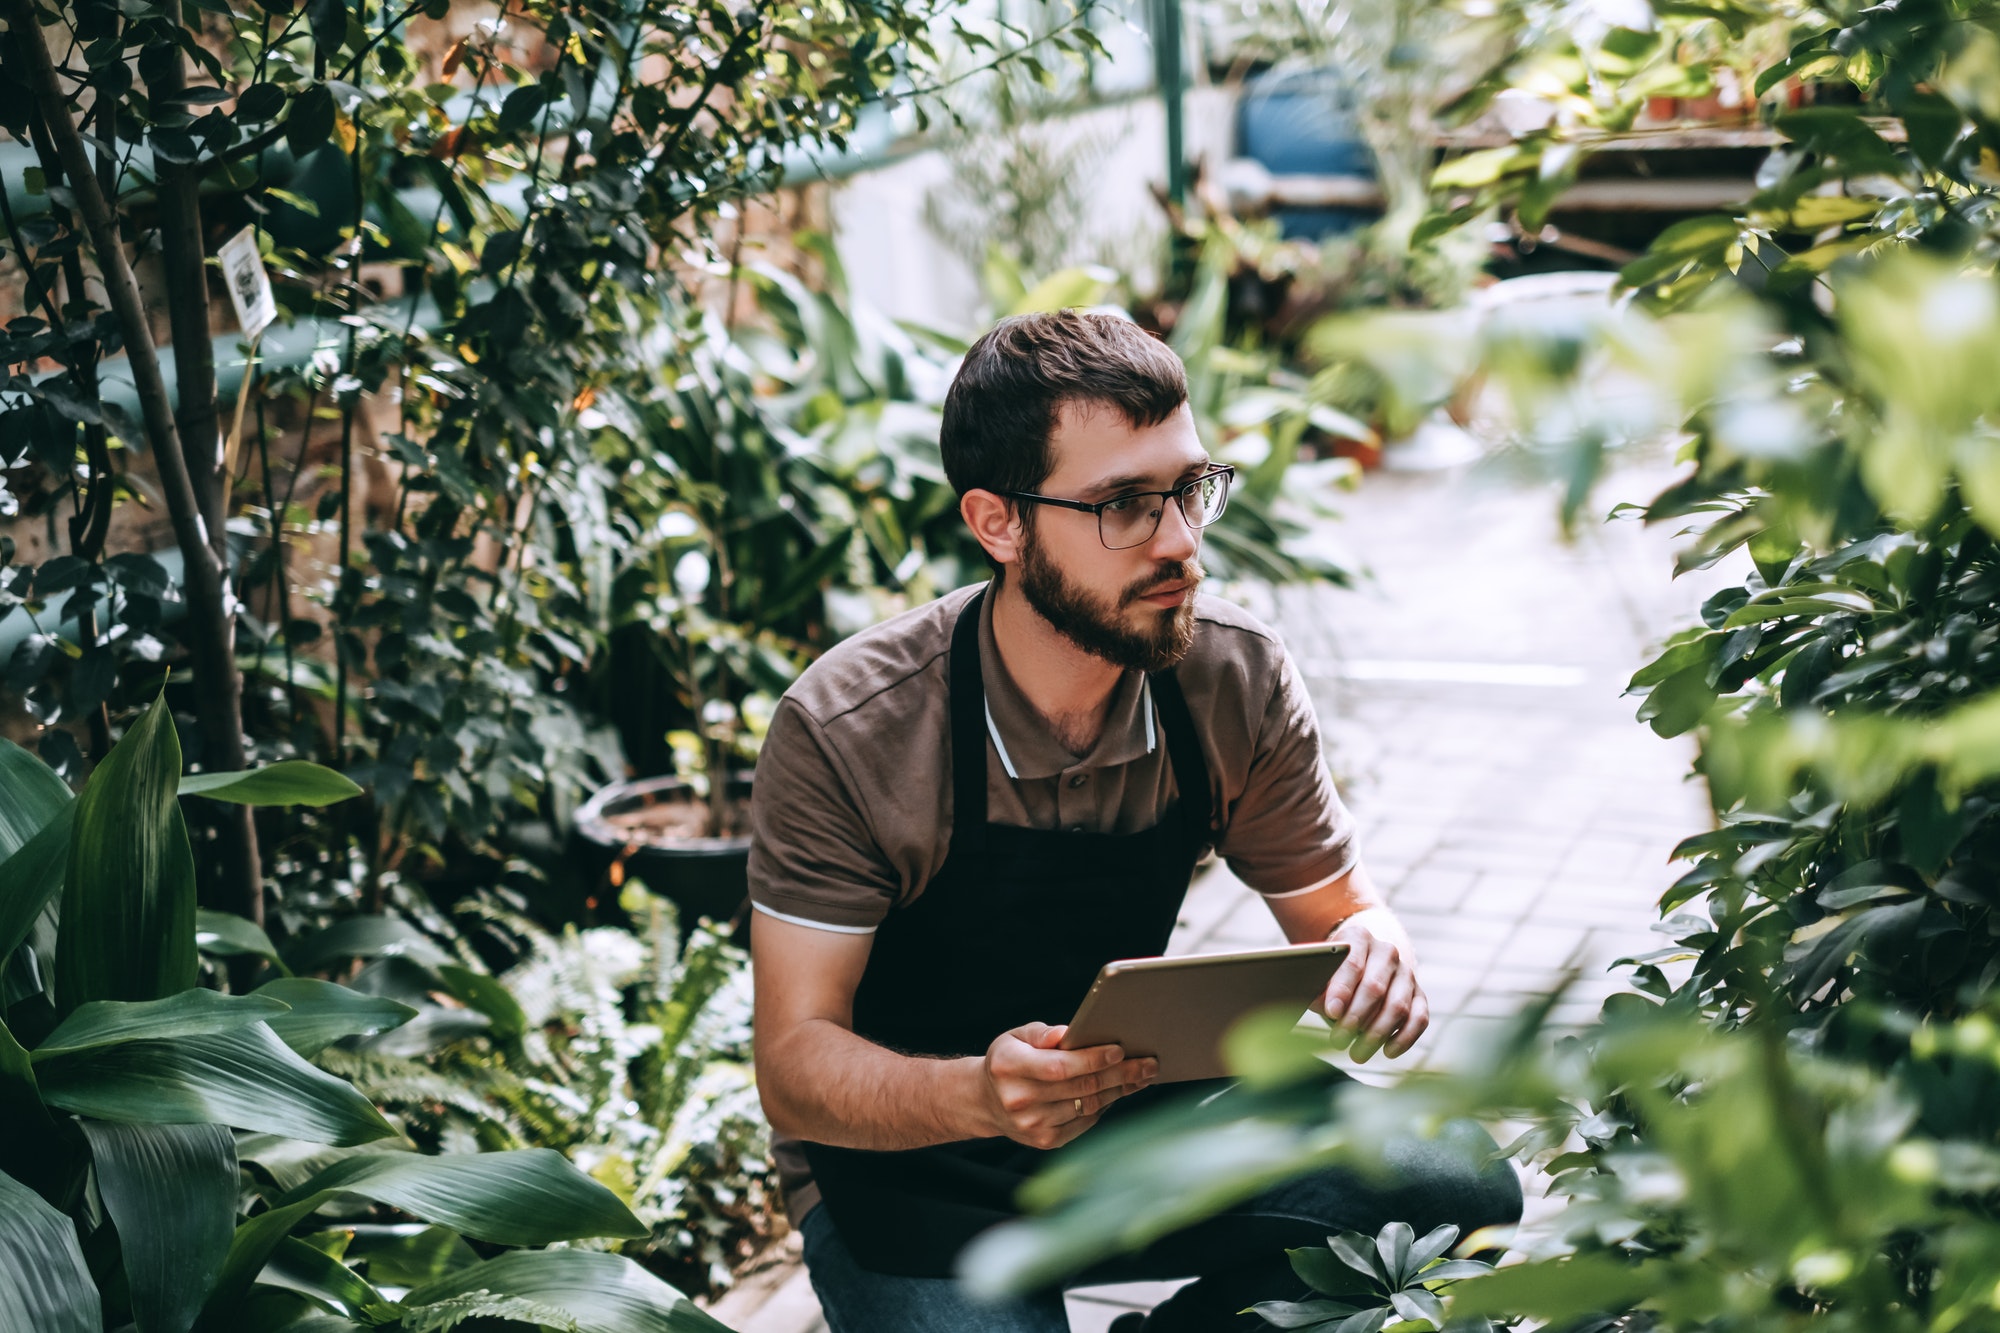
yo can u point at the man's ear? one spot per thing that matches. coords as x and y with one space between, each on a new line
995 522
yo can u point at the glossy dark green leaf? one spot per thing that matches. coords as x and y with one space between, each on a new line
415 1255
128 897
488 996
171 1192
309 123
322 1012
226 935
313 1272
535 1196
30 796
363 937
44 1285
192 1013
246 1078
32 877
21 1108
289 782
603 1293
531 1197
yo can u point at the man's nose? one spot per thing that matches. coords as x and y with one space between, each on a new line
1176 538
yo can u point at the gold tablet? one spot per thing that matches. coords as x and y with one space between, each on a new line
1179 1009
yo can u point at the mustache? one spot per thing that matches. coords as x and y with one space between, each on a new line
1168 575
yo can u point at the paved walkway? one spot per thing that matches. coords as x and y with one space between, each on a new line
1515 813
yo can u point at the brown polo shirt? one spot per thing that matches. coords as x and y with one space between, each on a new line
853 811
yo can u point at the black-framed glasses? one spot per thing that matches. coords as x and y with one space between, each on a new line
1129 520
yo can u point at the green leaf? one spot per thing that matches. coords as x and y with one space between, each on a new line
1430 1247
1393 1244
289 782
32 877
246 1078
171 1192
411 1260
190 1014
364 937
227 935
20 1095
322 1013
530 1197
488 996
30 796
534 1196
297 1266
310 121
128 898
44 1285
604 1293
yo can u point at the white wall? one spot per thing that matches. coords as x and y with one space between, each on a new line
895 264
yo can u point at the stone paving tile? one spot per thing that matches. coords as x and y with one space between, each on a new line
1521 830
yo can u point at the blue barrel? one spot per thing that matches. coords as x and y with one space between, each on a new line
1302 122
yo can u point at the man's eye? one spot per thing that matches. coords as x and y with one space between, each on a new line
1124 504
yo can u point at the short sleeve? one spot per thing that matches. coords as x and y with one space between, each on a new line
1288 830
813 859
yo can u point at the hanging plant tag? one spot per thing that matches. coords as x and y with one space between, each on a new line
249 284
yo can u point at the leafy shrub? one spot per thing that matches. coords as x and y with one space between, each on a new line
170 1156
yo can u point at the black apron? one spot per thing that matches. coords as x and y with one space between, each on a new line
1012 930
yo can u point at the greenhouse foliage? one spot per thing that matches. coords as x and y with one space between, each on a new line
1792 1123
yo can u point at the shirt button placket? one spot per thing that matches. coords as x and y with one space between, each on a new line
1072 807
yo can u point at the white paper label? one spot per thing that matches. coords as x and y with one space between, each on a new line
249 285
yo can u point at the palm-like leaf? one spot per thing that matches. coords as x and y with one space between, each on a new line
171 1191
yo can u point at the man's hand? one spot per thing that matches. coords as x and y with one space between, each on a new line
1044 1097
1375 994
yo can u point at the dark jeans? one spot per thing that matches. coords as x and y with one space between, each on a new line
1238 1257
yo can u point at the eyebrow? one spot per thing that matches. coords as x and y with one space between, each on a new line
1112 486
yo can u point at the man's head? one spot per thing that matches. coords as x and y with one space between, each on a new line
1080 407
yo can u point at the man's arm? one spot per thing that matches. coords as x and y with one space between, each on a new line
821 1082
1375 994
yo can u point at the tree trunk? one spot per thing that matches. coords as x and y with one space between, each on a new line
211 601
183 252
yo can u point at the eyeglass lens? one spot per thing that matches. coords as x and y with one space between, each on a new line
1127 523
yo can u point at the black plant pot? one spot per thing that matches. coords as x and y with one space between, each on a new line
703 877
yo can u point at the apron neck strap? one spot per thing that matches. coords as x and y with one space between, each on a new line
968 731
1196 806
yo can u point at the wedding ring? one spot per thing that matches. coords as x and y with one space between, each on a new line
1079 1106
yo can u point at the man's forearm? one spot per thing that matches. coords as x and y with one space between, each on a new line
827 1085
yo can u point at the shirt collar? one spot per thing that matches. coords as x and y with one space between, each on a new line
1028 749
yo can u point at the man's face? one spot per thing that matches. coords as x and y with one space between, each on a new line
1134 607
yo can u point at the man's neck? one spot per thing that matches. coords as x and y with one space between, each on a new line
1069 687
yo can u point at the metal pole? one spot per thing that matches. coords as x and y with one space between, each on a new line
1172 77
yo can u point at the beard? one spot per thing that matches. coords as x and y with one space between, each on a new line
1158 640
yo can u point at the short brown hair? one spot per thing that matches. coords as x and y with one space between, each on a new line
1015 381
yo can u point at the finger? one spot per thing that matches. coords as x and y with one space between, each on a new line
1051 1036
1053 1066
1394 1011
1372 989
1134 1073
1419 1021
1340 990
1032 1034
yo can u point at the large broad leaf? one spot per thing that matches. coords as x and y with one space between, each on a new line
128 900
603 1293
30 796
535 1196
364 937
171 1192
20 1095
226 935
321 1013
289 782
192 1013
43 1283
532 1197
31 877
246 1078
314 1273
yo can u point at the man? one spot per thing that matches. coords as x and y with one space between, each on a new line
964 812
